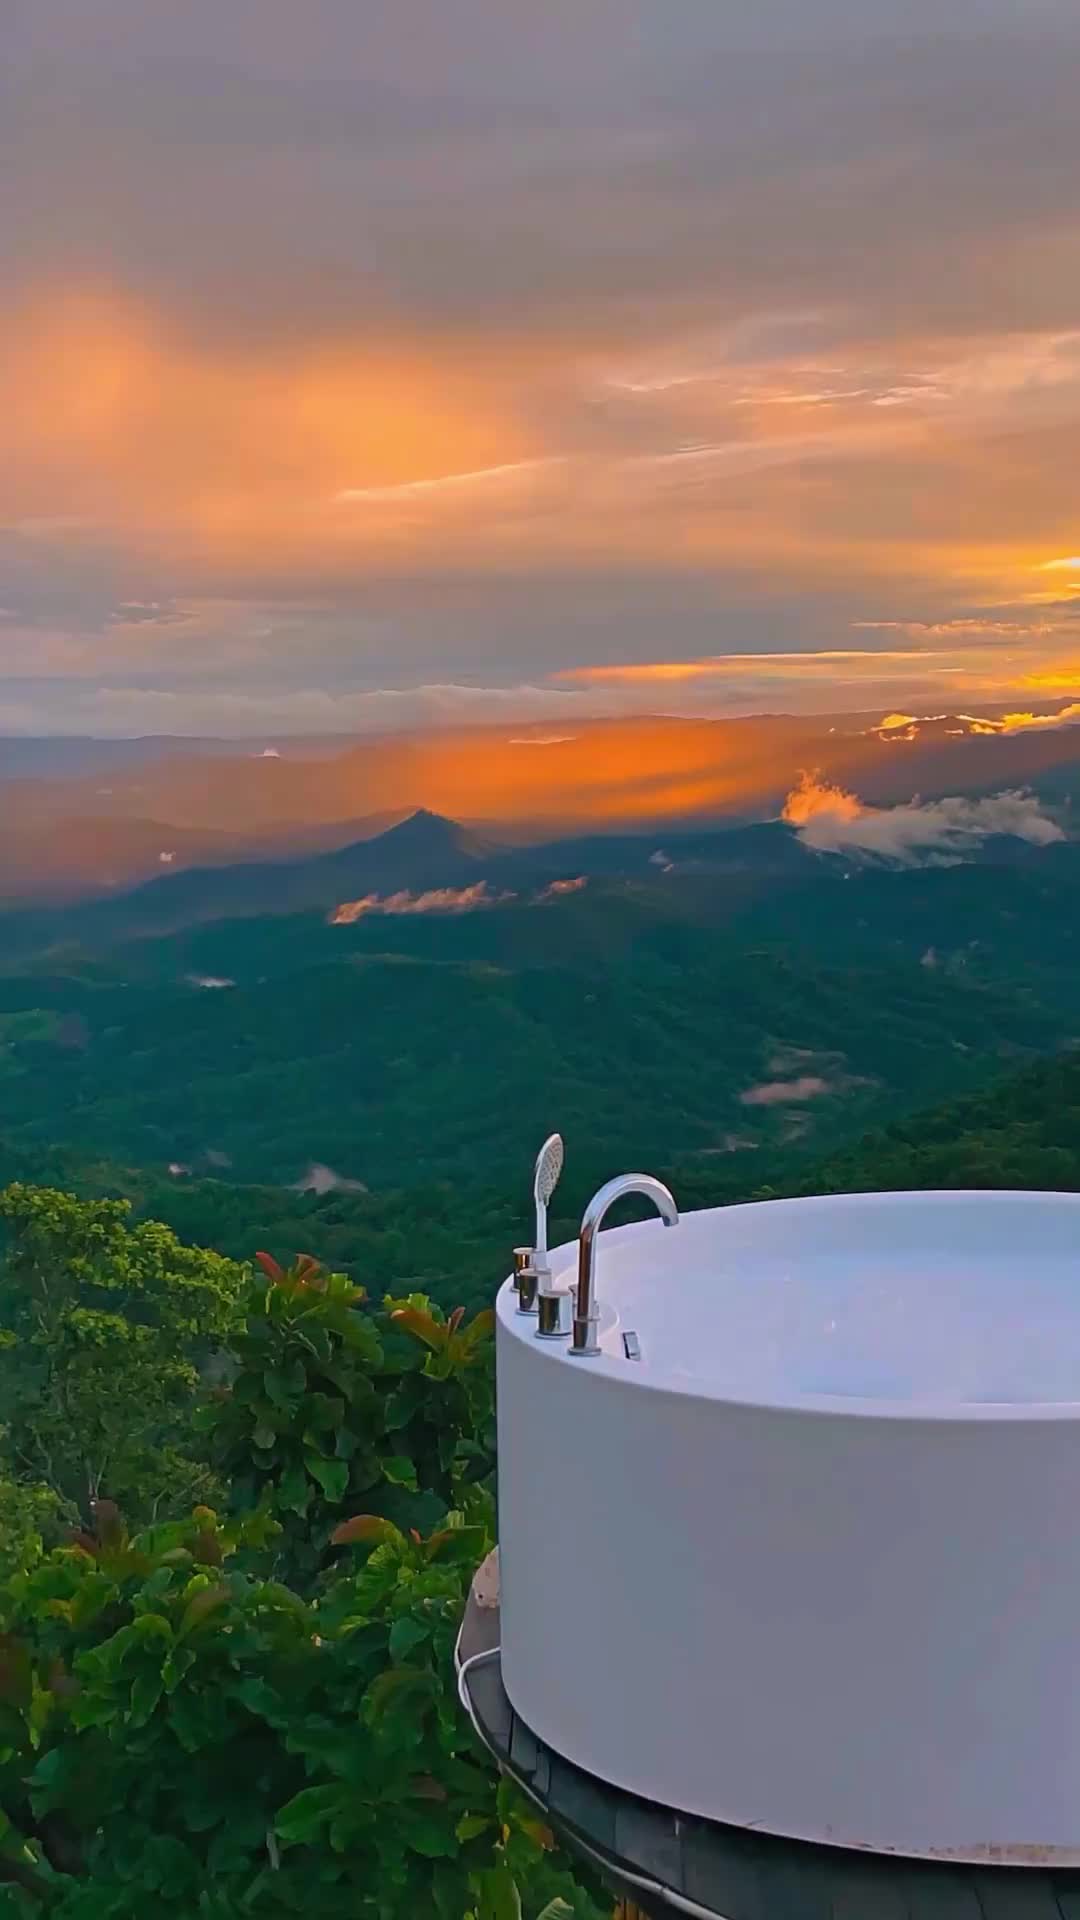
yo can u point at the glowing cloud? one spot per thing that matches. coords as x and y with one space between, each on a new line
1062 677
899 726
937 833
442 483
814 799
436 900
1044 722
715 666
541 739
967 627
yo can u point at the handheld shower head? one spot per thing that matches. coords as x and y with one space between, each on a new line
549 1165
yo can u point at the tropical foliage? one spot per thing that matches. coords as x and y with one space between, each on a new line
245 1709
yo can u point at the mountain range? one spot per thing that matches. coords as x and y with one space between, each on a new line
426 1003
85 818
423 854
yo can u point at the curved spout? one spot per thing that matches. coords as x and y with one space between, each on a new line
586 1318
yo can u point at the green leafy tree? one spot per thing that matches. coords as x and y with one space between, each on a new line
30 1516
333 1406
252 1716
109 1329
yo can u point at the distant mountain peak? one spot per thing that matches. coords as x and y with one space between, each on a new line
426 817
428 832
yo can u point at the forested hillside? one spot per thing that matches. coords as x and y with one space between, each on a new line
718 1009
452 1239
1021 1133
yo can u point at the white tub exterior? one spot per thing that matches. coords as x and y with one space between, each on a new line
812 1564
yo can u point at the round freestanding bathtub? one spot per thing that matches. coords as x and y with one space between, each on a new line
811 1562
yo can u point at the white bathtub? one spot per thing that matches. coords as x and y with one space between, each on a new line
812 1564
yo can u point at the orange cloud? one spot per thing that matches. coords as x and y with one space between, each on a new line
436 900
232 475
716 666
336 456
813 797
1021 722
969 626
1062 677
239 454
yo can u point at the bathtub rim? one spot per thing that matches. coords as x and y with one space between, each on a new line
929 1410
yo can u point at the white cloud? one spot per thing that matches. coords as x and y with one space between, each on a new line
322 1179
781 1093
938 832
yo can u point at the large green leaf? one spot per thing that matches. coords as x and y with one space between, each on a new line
307 1813
400 1471
332 1475
406 1635
499 1898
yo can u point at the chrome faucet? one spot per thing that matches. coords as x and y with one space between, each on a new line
586 1315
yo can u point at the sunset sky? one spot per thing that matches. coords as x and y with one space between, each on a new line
450 360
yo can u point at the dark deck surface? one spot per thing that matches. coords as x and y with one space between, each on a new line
724 1871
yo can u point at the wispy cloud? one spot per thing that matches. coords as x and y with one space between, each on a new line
961 628
541 739
444 483
786 1093
719 666
434 900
